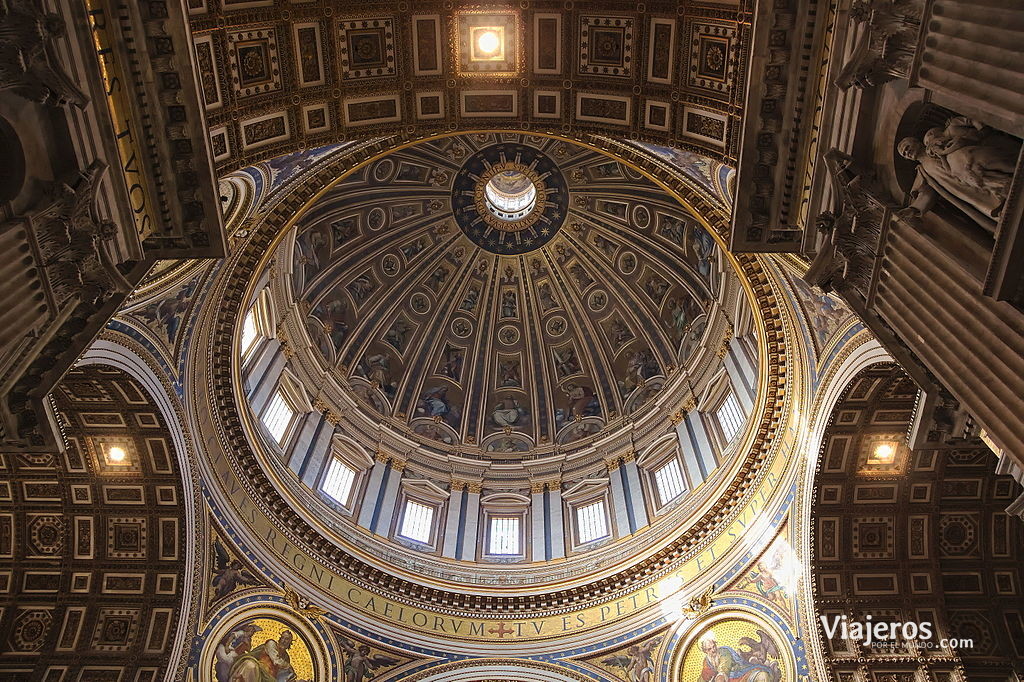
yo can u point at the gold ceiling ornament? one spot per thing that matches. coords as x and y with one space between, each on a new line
303 605
698 606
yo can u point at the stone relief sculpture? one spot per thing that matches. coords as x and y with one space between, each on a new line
28 64
885 49
848 238
966 163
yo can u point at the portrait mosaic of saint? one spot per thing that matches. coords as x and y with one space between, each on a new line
262 650
735 650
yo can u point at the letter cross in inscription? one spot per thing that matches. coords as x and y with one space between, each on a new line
501 631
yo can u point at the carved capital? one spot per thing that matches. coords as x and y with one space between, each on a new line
29 65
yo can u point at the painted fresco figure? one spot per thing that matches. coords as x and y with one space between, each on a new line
725 664
230 573
434 403
638 662
507 412
232 645
582 401
269 662
767 585
360 663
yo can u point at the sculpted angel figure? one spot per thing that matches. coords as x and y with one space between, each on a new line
967 164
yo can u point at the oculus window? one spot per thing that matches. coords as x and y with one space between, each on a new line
417 522
510 195
591 522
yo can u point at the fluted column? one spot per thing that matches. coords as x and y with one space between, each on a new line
471 522
973 344
389 500
739 376
634 492
970 56
259 363
312 460
742 370
373 493
267 381
620 510
696 448
538 521
454 520
308 428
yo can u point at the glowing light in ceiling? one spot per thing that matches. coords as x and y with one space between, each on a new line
885 452
488 42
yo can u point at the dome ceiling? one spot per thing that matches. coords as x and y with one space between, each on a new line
536 322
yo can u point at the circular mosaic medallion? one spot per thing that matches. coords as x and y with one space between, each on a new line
462 327
389 265
376 218
383 169
420 303
627 263
556 326
509 198
641 216
508 335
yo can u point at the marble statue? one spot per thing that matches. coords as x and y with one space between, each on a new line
967 164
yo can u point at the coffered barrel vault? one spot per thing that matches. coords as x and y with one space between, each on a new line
278 76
